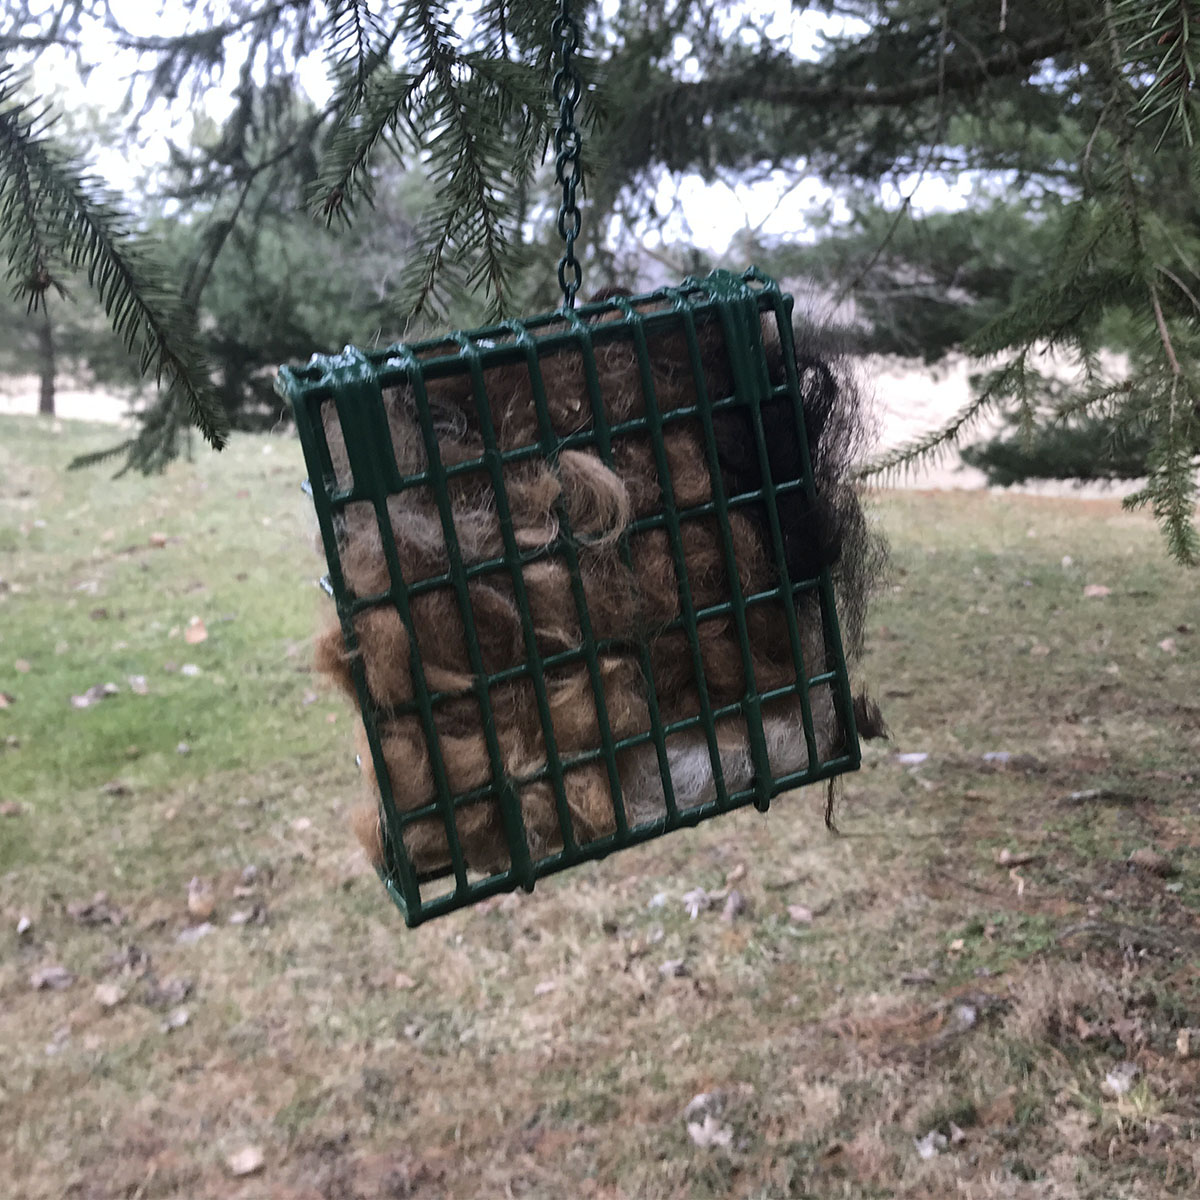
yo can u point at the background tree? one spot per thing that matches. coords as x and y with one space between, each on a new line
1076 120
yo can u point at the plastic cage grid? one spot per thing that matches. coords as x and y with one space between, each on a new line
355 382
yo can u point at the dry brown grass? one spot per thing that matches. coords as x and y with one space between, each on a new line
535 1046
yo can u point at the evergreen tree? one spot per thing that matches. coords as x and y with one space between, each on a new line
1086 109
1084 112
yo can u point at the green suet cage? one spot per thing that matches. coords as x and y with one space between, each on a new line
534 700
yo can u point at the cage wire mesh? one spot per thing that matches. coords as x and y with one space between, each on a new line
581 595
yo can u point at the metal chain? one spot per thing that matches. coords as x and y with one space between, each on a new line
568 143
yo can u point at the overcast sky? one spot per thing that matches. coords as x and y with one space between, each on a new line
708 215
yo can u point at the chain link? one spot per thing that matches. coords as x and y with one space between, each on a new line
568 143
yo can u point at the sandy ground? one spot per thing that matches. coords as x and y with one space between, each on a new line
909 402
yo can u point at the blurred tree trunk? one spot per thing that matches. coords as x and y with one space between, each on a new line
47 364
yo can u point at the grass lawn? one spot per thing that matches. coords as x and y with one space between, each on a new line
970 992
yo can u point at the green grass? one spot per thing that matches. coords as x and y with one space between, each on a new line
532 1047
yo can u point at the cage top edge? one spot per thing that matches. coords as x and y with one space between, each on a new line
323 370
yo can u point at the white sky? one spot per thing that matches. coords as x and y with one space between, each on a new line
708 215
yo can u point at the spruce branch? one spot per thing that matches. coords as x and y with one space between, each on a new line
1164 37
1008 380
483 123
29 250
1171 490
52 216
963 72
355 48
387 105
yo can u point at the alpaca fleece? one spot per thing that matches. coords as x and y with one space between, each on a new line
628 596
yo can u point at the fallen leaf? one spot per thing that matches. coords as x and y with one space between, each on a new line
96 911
166 992
1183 1043
800 914
10 808
191 935
108 995
403 982
735 905
965 1015
62 1035
1012 858
301 824
7 700
1097 590
1167 646
256 914
196 632
932 1144
1152 862
1121 1078
53 978
1037 650
200 899
247 1161
1084 795
94 694
736 875
710 1133
158 540
131 960
177 1019
22 666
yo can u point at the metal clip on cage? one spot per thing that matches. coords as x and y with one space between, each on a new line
653 379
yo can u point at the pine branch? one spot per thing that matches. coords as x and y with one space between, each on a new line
1168 32
1171 490
964 72
1008 380
29 250
468 108
388 104
355 48
74 225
